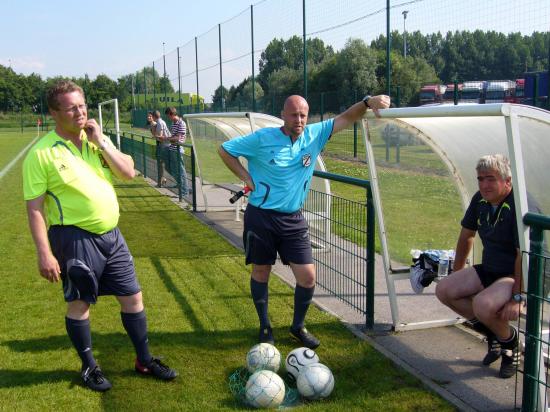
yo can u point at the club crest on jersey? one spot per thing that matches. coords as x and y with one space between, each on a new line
306 160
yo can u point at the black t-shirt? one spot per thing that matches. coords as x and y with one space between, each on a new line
497 229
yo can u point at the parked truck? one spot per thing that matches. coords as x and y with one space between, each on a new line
542 91
432 93
473 92
449 95
518 95
498 90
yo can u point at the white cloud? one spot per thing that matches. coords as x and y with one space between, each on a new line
23 64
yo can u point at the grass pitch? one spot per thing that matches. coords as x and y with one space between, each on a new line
200 317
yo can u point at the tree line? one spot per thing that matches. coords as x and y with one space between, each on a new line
357 69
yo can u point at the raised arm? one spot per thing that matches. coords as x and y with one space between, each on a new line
120 164
356 112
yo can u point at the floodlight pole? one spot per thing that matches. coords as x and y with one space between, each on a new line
388 47
164 75
222 98
305 47
252 41
133 94
197 72
404 13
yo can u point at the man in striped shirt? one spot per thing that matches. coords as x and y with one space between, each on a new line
179 133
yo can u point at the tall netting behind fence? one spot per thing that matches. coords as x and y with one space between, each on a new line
209 63
236 60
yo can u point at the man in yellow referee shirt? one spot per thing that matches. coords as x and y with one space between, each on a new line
73 215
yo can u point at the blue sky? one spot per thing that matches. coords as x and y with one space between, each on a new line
97 36
118 37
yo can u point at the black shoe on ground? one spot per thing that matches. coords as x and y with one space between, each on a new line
493 350
266 336
509 363
157 369
305 338
95 380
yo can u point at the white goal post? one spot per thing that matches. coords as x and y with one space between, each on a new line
117 124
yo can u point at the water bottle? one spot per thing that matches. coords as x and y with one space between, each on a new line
443 268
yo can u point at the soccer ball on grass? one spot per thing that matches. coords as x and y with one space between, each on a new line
263 356
265 389
297 359
315 381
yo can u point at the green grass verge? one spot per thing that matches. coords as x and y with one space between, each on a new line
200 318
11 144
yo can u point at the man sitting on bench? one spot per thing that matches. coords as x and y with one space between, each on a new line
489 294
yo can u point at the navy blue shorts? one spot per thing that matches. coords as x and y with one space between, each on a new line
487 278
93 265
267 232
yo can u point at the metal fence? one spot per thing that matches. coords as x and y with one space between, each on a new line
143 150
344 244
537 339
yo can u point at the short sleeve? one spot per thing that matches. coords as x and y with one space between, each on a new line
35 181
469 221
322 131
245 146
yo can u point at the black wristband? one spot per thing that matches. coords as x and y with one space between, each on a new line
366 100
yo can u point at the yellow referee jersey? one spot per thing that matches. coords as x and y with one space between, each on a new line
78 185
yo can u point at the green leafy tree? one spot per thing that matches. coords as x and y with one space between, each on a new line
220 93
356 70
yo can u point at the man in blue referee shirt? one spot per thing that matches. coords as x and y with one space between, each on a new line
280 166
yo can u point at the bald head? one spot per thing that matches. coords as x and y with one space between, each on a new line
294 101
294 114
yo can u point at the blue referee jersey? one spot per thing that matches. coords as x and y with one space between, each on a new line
281 170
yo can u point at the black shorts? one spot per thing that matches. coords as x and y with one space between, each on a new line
488 278
93 265
267 232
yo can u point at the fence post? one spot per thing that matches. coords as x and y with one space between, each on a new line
355 131
387 147
370 258
322 105
398 146
193 183
455 92
536 91
397 96
179 176
533 322
143 156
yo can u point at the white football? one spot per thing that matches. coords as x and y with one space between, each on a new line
265 389
263 356
315 381
297 359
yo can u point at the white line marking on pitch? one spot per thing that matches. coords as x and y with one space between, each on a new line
15 159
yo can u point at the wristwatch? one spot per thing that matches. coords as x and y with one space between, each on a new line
366 100
518 298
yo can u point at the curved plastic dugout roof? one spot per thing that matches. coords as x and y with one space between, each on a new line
460 135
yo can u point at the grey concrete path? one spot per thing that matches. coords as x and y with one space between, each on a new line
446 359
